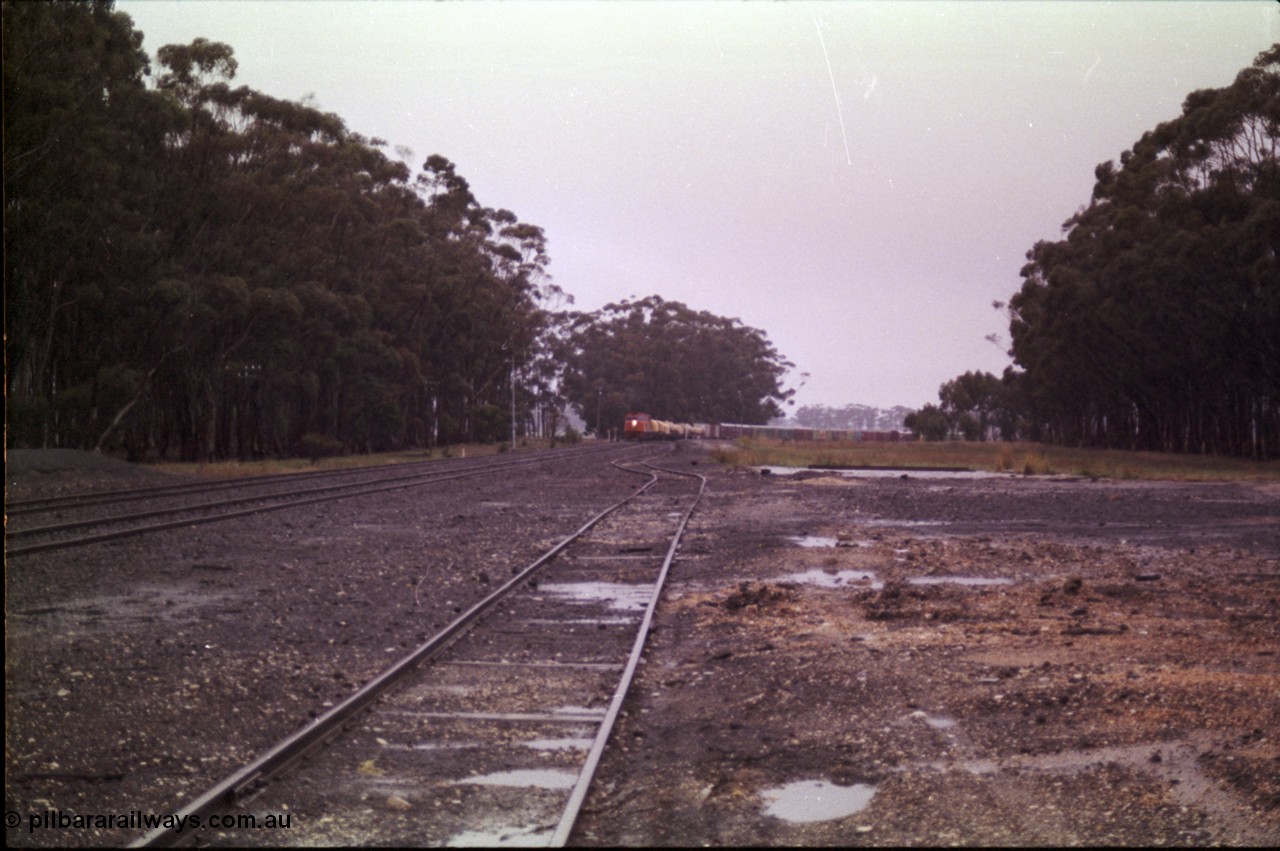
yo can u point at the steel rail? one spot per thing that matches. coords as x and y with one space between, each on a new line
301 742
87 498
349 491
203 506
585 777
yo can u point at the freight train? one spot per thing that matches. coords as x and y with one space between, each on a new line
639 426
732 431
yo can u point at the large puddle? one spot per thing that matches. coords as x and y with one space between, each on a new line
824 542
887 473
539 778
959 580
566 744
617 595
828 578
835 579
816 800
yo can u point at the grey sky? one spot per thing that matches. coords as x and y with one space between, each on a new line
860 180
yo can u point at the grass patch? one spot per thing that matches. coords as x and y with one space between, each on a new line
1023 458
282 466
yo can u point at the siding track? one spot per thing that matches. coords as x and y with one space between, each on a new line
498 722
98 514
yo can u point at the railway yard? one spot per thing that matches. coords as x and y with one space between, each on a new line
909 659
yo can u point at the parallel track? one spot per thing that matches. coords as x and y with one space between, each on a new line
569 627
370 480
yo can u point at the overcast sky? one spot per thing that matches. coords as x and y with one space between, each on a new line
859 180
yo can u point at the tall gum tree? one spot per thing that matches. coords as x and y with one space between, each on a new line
673 362
1155 324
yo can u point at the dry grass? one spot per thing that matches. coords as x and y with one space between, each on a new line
272 467
1023 458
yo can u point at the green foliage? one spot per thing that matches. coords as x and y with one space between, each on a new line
201 268
930 422
1155 324
670 361
977 406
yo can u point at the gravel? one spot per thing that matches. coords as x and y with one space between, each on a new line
1118 685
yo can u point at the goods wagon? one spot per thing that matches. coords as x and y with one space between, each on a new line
733 431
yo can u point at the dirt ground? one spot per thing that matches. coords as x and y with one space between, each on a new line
918 660
1007 661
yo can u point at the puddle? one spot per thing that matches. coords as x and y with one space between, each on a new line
615 620
959 580
535 836
940 722
437 746
824 542
145 604
618 595
838 579
812 541
888 521
559 744
816 800
540 778
583 711
885 473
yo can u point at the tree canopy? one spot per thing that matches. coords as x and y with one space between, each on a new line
668 360
1155 323
854 416
200 268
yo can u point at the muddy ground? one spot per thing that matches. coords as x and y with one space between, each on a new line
1007 660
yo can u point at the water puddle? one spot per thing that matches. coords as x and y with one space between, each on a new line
570 744
539 778
618 595
816 800
889 521
835 579
824 542
502 837
940 722
812 541
886 473
959 580
616 620
586 712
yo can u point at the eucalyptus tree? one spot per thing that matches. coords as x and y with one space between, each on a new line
201 267
1155 323
672 362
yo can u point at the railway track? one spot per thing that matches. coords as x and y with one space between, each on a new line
34 526
490 730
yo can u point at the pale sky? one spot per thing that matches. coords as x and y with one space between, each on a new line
860 180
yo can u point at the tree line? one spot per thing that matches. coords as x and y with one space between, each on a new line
201 270
853 416
669 360
1155 323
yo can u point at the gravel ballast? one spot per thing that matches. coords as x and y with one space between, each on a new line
1010 660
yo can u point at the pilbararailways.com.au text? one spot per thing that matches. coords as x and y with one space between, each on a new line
138 820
